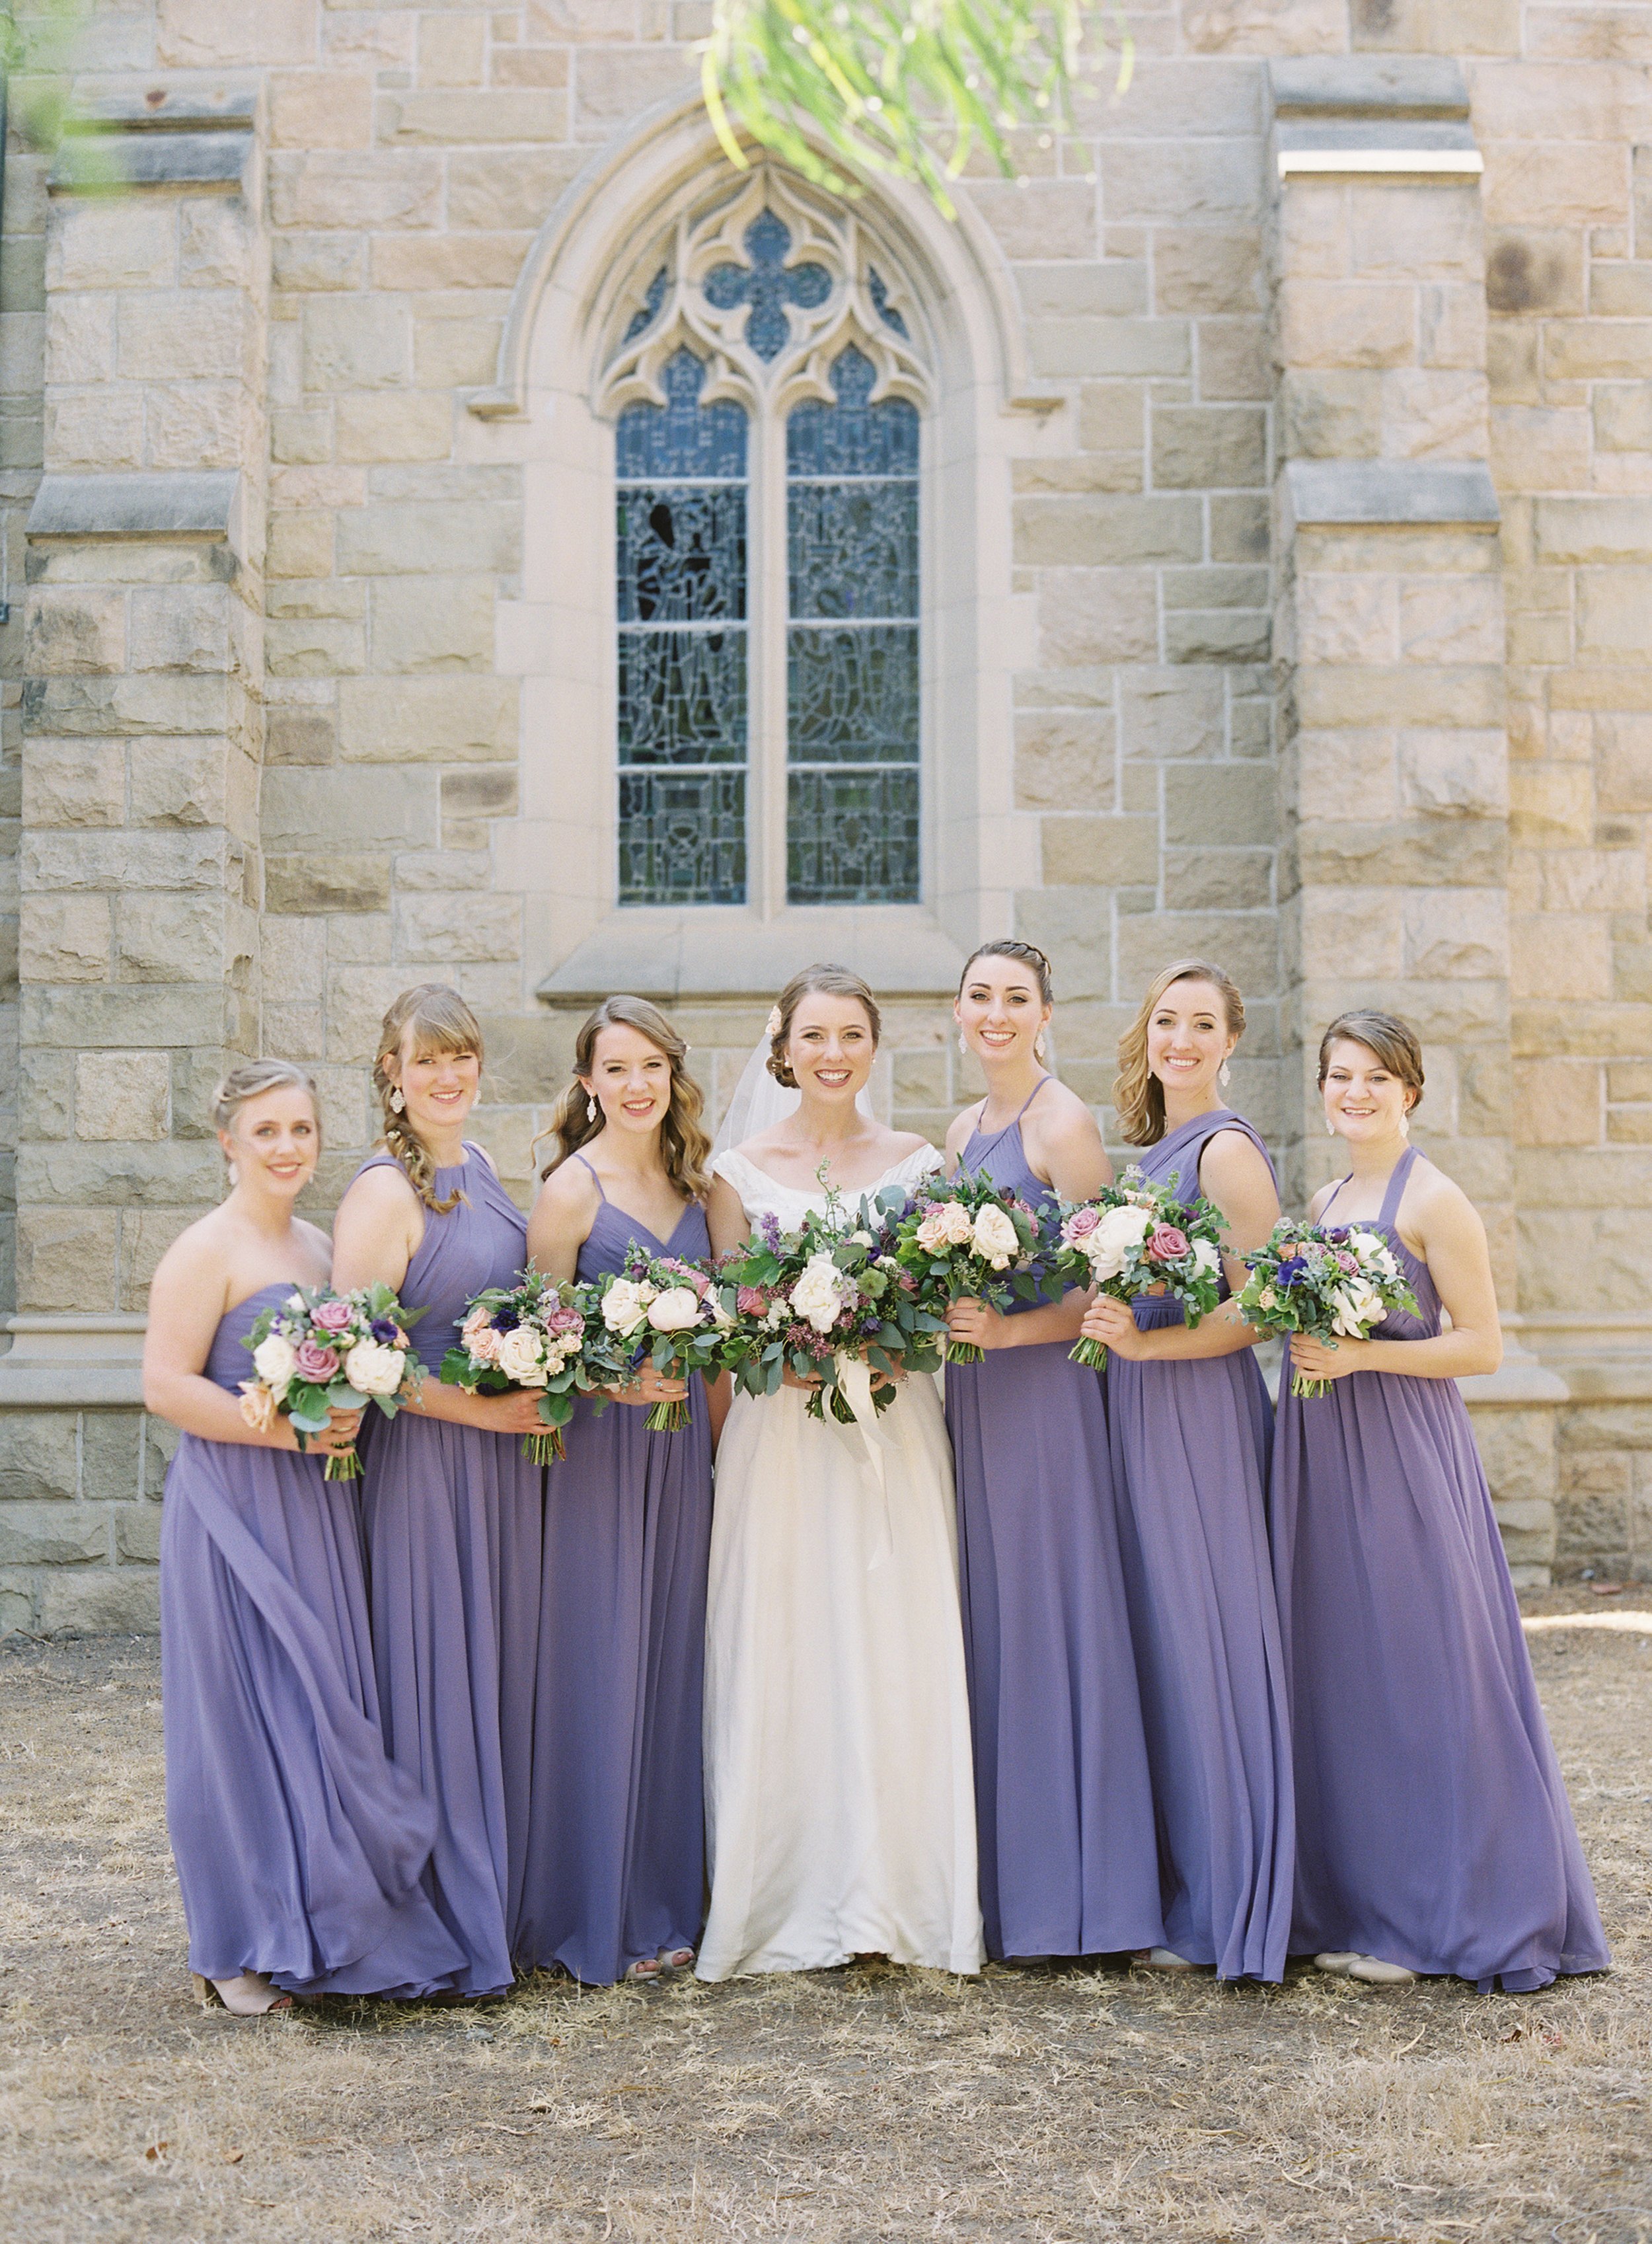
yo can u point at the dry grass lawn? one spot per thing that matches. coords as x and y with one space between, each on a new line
869 2103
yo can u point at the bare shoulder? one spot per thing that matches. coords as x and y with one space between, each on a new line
482 1155
1430 1198
571 1189
961 1130
1231 1158
378 1190
902 1144
1059 1117
199 1258
1320 1201
315 1240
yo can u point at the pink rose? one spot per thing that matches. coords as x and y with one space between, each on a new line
1166 1243
485 1345
334 1316
1082 1222
315 1364
751 1302
564 1321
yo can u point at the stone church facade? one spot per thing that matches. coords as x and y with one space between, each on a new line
431 477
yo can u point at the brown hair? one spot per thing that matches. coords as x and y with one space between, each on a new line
1393 1041
684 1146
815 981
1027 954
439 1021
1137 1093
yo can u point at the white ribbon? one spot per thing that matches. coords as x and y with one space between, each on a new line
854 1383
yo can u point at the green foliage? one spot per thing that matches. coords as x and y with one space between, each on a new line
908 88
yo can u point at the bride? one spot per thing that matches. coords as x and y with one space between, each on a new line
840 1804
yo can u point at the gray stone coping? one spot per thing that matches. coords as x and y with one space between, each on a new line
214 106
1406 492
672 957
1415 150
200 504
1368 86
95 163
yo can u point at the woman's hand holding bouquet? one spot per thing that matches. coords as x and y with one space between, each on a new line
529 1336
1329 1285
319 1354
1138 1238
662 1312
969 1240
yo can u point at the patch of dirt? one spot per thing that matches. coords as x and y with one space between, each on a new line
858 2105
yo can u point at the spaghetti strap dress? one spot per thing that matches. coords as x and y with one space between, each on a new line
616 1859
1432 1825
299 1844
1190 1453
454 1519
1069 1862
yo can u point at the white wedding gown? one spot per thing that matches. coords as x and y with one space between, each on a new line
839 1789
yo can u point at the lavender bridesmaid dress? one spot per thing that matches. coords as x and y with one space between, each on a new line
454 1520
1069 1863
1190 1444
1432 1825
299 1844
616 1841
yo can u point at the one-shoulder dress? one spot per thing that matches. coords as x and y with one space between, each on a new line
616 1841
299 1844
1190 1453
454 1519
1069 1860
1432 1825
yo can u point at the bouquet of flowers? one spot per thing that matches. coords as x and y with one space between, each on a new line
1137 1236
1329 1284
829 1302
969 1240
660 1310
531 1335
319 1351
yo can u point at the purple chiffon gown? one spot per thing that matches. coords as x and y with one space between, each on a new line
1432 1825
1068 1853
300 1845
454 1520
616 1843
1190 1448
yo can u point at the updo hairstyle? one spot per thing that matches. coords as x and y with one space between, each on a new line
815 981
1026 954
1393 1041
252 1079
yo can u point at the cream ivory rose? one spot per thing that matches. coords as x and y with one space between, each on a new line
994 1237
372 1367
819 1294
1115 1238
275 1360
947 1225
675 1310
521 1356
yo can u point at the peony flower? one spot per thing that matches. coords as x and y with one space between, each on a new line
257 1406
275 1360
995 1238
676 1310
334 1316
372 1368
820 1293
1081 1223
1166 1243
1206 1257
1358 1308
521 1356
624 1308
314 1363
1117 1236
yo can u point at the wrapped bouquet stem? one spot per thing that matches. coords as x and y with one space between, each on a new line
667 1314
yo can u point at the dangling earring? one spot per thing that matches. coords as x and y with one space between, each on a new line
398 1104
1404 1125
1038 1046
591 1110
1226 1075
962 1045
1331 1127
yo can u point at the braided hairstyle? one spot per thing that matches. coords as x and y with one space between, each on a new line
433 1019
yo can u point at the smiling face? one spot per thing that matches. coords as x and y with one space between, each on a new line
274 1142
1188 1037
440 1087
831 1048
1365 1102
630 1079
1000 1010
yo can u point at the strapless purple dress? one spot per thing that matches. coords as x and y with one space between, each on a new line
300 1845
616 1862
1432 1825
1068 1852
454 1520
1190 1450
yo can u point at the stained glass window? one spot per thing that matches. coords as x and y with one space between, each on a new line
852 660
767 287
681 534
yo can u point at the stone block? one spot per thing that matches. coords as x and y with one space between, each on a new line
1430 412
433 623
74 783
1558 1101
74 629
1550 182
1456 935
1452 325
39 1457
161 938
112 242
1040 218
1585 350
1115 288
183 783
341 883
1614 614
124 1096
102 1601
1354 323
452 49
46 1094
300 546
402 425
1108 531
100 861
442 929
1168 715
1234 360
109 1017
1112 852
354 343
1181 182
506 114
159 1441
1561 954
456 353
330 108
1622 416
214 245
1214 588
1064 760
1332 412
1623 762
177 334
1347 619
1621 291
448 260
1123 347
137 1532
1218 880
1420 695
1550 806
1088 617
1412 853
66 1260
1204 270
121 1174
1205 448
1451 619
52 1534
191 425
371 193
1415 230
1594 879
472 536
63 939
1541 447
306 261
427 719
346 806
1455 774
300 736
145 1234
1346 775
1220 803
1265 27
1245 944
512 187
313 646
1357 932
99 429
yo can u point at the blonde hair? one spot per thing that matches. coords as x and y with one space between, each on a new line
251 1080
684 1146
1393 1041
1137 1093
439 1021
815 981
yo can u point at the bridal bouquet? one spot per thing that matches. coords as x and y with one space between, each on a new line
831 1303
968 1240
529 1335
1332 1284
1137 1237
659 1310
319 1351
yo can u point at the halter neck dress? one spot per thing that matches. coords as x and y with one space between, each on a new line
1190 1446
1069 1863
1432 1825
454 1519
616 1838
300 1845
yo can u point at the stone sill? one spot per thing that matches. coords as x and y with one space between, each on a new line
729 953
72 1363
204 503
1398 494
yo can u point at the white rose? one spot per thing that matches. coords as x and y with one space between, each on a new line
521 1355
675 1310
274 1360
723 1318
1267 1299
776 1315
373 1368
1120 1230
1367 1247
995 1238
1206 1256
958 1230
818 1295
1357 1307
623 1307
933 1233
860 1238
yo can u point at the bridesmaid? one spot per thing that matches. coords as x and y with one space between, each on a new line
1434 1829
1190 1426
616 1843
1069 1862
453 1511
299 1844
